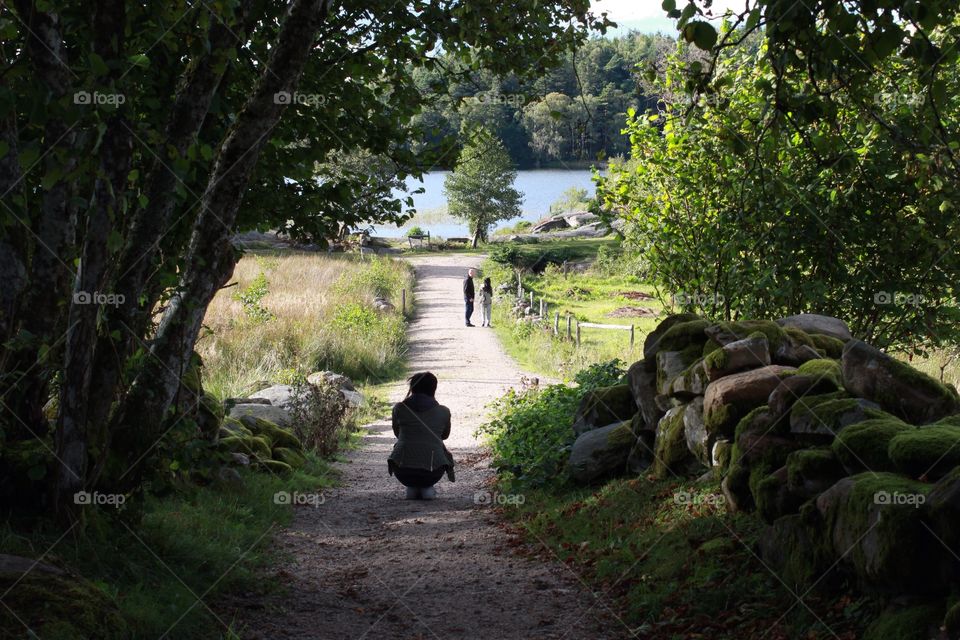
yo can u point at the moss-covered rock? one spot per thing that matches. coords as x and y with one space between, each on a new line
787 346
641 457
257 446
234 427
720 456
292 457
671 365
877 527
709 347
276 435
671 455
827 346
943 515
653 343
793 388
730 398
814 325
691 383
927 453
896 386
917 622
822 417
796 549
750 353
736 485
275 466
774 497
601 453
54 604
643 388
682 335
604 406
810 472
864 446
824 369
209 417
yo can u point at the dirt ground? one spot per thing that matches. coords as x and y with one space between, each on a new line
367 564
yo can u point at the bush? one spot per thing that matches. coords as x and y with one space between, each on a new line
530 435
319 415
415 231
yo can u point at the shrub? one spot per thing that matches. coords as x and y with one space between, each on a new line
530 435
319 415
415 231
252 299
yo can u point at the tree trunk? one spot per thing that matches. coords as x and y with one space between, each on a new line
211 256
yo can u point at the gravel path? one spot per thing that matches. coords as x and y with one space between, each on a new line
367 564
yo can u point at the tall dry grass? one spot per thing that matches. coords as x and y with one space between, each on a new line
319 316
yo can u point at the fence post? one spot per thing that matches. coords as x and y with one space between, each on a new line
556 323
578 334
631 337
403 300
569 320
531 300
543 308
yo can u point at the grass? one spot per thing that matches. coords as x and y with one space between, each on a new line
588 297
670 560
197 542
315 313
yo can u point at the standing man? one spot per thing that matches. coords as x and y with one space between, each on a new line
468 294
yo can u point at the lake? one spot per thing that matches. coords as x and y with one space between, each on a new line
539 187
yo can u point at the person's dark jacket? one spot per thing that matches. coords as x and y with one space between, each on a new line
468 291
421 424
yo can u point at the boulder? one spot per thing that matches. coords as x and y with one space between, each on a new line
767 449
354 398
671 365
698 439
276 435
692 382
267 412
896 386
600 453
791 347
672 457
233 427
863 446
643 383
337 380
796 550
275 467
252 446
926 453
683 335
641 454
728 399
54 603
279 395
774 498
720 455
736 486
876 527
817 324
230 402
651 344
749 353
554 223
604 406
793 388
822 417
240 459
292 457
826 370
810 472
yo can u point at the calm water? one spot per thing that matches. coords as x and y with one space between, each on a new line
540 188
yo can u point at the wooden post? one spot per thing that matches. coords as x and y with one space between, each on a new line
543 308
531 299
631 337
569 320
403 300
556 323
578 334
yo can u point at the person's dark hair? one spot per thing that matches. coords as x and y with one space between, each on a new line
423 382
487 286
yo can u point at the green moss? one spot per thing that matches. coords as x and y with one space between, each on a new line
767 495
276 466
622 436
918 622
929 452
722 451
819 462
756 420
56 606
716 360
606 405
758 473
638 424
683 335
235 427
827 345
718 418
823 369
863 446
797 550
709 347
250 445
276 435
799 336
670 448
291 457
774 333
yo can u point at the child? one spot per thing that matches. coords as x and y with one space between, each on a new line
486 302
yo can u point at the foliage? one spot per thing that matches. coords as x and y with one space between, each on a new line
480 188
319 414
415 231
741 208
252 299
573 199
530 434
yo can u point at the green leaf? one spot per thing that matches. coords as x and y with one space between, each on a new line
97 65
139 60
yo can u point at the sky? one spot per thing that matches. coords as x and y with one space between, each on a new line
647 16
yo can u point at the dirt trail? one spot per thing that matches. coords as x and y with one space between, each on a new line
367 564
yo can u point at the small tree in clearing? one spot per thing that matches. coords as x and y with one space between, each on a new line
480 188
